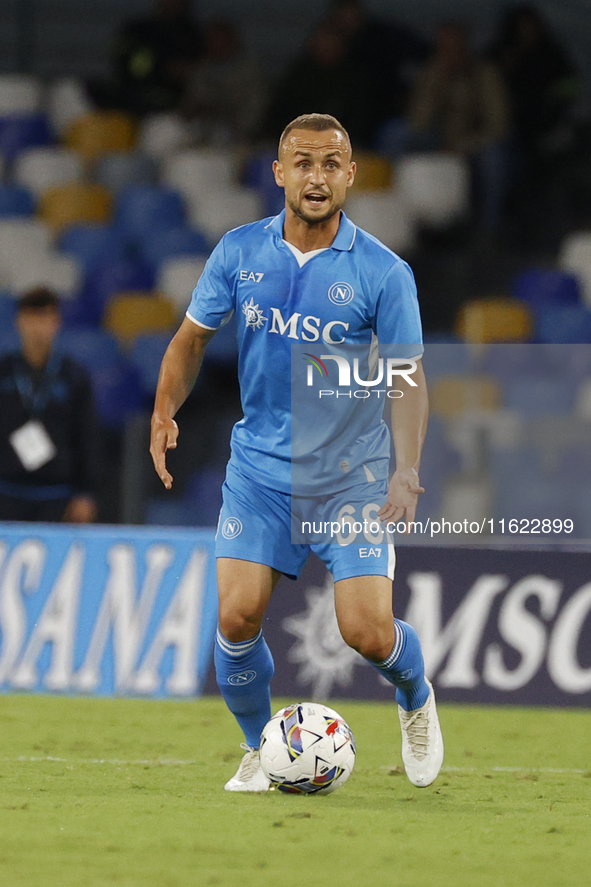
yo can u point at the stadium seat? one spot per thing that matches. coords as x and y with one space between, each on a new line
178 278
124 169
15 201
443 359
508 361
74 204
146 356
94 349
494 320
117 393
223 347
540 396
434 187
199 171
129 315
21 131
374 172
40 169
575 258
66 102
46 269
92 245
218 211
257 173
384 216
109 277
545 286
101 132
161 135
570 324
19 93
452 396
159 246
20 239
203 497
144 209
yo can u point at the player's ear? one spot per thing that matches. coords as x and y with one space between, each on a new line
351 173
278 173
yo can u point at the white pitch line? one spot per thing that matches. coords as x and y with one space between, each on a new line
505 769
22 759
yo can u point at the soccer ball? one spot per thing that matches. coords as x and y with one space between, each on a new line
307 748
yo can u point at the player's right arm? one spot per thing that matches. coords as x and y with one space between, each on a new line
178 373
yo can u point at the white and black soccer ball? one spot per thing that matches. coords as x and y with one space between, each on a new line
307 748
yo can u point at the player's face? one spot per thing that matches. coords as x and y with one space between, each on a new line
315 169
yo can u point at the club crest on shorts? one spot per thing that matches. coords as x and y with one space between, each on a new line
341 293
231 528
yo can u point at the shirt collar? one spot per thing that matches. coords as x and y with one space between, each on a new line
343 241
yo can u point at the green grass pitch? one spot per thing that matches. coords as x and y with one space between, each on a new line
100 792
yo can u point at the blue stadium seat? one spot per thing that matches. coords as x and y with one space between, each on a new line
543 286
158 246
446 359
126 169
107 279
570 324
167 513
203 497
146 356
15 201
92 245
142 210
118 393
20 131
540 395
258 174
511 361
94 349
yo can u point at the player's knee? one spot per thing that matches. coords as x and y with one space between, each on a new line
236 626
372 643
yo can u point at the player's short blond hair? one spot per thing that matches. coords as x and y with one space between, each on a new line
315 122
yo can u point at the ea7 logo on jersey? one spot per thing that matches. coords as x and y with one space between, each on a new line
257 276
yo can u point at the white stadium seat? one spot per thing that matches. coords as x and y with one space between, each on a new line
434 187
217 211
385 216
163 134
198 171
51 269
178 278
19 240
19 93
575 257
41 168
66 102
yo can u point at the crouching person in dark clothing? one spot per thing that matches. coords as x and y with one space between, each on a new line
48 434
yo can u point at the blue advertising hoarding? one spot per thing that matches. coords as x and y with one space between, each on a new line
106 610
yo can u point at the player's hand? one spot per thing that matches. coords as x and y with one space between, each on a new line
163 437
403 496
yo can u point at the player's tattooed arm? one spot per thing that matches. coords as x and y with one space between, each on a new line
409 425
178 373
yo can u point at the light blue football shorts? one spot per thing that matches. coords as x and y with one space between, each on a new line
258 524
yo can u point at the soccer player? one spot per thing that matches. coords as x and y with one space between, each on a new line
308 275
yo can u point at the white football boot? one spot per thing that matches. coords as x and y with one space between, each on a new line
249 776
422 742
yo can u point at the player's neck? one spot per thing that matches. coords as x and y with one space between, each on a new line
308 237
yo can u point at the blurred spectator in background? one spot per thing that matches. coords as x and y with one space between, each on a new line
389 53
225 96
153 57
459 105
48 438
541 82
324 77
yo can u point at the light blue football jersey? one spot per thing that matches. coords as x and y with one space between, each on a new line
292 319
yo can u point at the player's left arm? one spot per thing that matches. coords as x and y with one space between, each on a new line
409 425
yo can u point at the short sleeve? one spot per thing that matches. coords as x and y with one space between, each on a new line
397 318
212 300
